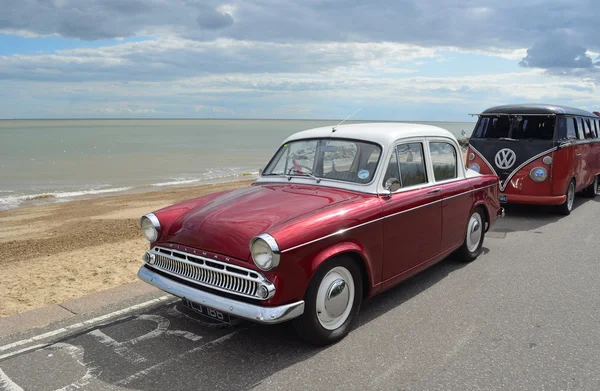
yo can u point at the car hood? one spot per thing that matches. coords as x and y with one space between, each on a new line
226 224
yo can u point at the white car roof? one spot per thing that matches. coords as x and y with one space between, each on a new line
385 134
382 133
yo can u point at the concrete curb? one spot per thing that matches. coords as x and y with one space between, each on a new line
76 307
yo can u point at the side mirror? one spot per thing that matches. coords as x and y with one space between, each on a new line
392 185
464 134
260 171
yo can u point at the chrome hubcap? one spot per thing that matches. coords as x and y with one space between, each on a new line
571 195
335 298
474 232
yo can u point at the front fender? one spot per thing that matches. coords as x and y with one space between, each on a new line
355 249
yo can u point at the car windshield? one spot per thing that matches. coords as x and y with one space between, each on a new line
515 127
336 159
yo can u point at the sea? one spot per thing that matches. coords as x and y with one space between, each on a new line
47 161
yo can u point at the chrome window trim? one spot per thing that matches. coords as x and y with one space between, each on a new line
261 280
383 218
569 143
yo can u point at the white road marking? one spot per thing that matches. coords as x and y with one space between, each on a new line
8 384
77 354
146 371
23 350
119 348
88 322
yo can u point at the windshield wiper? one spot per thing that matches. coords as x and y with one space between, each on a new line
507 139
289 177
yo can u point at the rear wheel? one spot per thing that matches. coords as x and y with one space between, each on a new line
332 301
566 207
473 243
592 189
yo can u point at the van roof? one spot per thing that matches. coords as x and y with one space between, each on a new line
533 108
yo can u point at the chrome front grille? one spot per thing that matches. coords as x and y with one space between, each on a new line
211 273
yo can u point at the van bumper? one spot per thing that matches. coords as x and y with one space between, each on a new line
534 199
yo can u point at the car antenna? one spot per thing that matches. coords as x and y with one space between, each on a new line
334 128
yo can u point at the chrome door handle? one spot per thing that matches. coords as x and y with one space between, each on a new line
434 191
578 155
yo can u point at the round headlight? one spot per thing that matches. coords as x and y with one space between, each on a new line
150 226
265 252
475 167
538 174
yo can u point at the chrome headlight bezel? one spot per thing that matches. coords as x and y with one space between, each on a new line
535 176
257 246
150 226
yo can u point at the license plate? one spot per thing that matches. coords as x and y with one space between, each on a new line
502 198
207 311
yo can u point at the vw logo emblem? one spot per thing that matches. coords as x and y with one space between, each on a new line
505 158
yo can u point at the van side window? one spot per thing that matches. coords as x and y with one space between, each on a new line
580 128
587 130
597 121
571 128
593 128
443 158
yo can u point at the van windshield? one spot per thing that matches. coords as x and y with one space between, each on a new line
515 127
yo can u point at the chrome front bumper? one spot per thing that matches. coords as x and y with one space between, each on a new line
254 313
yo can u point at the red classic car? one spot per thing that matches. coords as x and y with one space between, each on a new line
339 214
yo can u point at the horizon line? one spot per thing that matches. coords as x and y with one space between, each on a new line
218 119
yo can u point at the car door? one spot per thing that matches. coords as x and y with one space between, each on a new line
412 214
455 191
580 154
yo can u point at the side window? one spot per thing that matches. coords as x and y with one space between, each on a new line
580 134
571 128
587 130
412 164
407 164
392 170
443 159
592 125
597 121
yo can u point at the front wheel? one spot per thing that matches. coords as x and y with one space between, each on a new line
473 243
332 301
566 207
592 189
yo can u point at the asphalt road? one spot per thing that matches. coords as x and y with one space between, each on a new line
524 316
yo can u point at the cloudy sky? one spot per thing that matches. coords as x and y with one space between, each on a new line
393 60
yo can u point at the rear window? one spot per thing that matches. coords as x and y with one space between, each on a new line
516 127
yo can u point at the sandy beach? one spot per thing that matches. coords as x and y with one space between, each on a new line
53 253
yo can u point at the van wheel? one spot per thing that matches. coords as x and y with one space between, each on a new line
566 207
591 190
332 301
473 243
